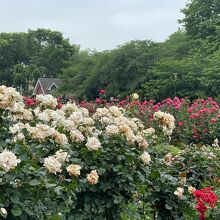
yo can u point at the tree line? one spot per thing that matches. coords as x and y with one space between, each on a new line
186 64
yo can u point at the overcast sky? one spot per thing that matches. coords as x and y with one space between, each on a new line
94 24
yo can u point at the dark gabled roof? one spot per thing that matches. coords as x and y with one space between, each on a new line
47 83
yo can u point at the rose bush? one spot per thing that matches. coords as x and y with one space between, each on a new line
196 121
117 160
64 163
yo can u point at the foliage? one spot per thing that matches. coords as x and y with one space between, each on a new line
27 56
202 19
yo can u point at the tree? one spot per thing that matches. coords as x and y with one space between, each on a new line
50 50
24 57
202 19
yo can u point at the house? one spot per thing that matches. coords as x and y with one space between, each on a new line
46 86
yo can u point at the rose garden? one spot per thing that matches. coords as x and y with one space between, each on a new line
119 159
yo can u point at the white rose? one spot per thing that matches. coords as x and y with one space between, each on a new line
112 130
77 136
141 142
73 169
179 192
16 128
47 101
88 121
19 137
215 143
191 189
8 97
8 160
93 143
92 177
52 165
61 139
134 96
3 212
115 111
145 157
76 117
62 156
69 108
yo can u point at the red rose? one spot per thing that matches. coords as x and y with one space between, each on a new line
101 91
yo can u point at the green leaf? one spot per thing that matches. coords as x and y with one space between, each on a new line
50 185
34 182
15 199
29 211
169 207
154 175
101 170
16 210
56 217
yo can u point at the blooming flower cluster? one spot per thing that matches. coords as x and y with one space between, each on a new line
73 170
93 177
191 121
41 121
46 101
8 97
71 148
166 121
204 196
179 192
3 212
8 160
134 96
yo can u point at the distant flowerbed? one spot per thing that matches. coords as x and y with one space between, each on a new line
108 160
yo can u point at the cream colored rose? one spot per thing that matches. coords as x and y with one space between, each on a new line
76 117
101 112
105 120
168 158
93 143
73 170
130 137
112 130
115 111
166 121
145 157
142 142
68 125
77 136
182 181
52 164
47 101
19 137
3 212
85 112
69 108
88 121
191 189
8 97
18 107
61 139
8 160
179 192
124 128
43 116
62 156
92 177
149 131
134 96
16 128
215 143
36 133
